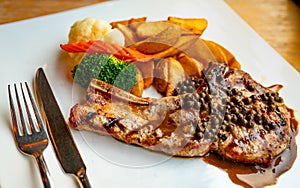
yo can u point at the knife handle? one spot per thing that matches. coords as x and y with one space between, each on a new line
85 181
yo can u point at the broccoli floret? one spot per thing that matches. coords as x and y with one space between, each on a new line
106 68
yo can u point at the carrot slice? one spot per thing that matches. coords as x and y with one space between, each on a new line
126 54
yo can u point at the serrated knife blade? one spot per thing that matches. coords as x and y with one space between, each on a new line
59 132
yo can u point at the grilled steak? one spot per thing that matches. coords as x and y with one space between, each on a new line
225 111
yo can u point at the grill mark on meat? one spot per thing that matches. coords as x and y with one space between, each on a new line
86 118
228 113
112 122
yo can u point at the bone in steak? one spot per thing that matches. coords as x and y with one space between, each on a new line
227 112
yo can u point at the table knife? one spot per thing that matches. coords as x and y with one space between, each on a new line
59 132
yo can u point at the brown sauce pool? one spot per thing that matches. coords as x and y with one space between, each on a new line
254 175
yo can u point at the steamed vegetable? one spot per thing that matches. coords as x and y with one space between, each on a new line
99 46
106 68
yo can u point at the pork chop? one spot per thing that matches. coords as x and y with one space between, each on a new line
225 111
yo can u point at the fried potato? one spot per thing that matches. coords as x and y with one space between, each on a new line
183 43
149 29
128 27
129 34
146 68
176 75
200 52
222 54
191 66
170 52
195 25
159 42
138 88
133 22
161 74
167 73
150 47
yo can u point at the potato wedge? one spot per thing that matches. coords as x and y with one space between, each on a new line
129 34
200 52
222 54
191 66
135 22
147 47
146 68
167 73
195 25
170 52
176 75
184 42
149 29
138 88
160 41
161 74
131 22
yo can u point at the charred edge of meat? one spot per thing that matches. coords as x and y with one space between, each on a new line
95 87
111 122
86 118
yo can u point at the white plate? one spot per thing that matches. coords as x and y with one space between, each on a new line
32 43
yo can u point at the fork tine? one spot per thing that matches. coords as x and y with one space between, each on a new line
13 113
23 128
29 117
35 109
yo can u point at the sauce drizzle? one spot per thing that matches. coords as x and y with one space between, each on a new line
255 175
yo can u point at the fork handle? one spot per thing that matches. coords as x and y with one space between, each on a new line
84 181
44 171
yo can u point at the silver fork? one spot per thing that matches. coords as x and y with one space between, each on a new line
30 135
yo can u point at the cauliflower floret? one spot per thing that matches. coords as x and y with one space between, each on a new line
93 29
88 29
115 36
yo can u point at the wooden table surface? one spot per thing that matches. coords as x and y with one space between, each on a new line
276 21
